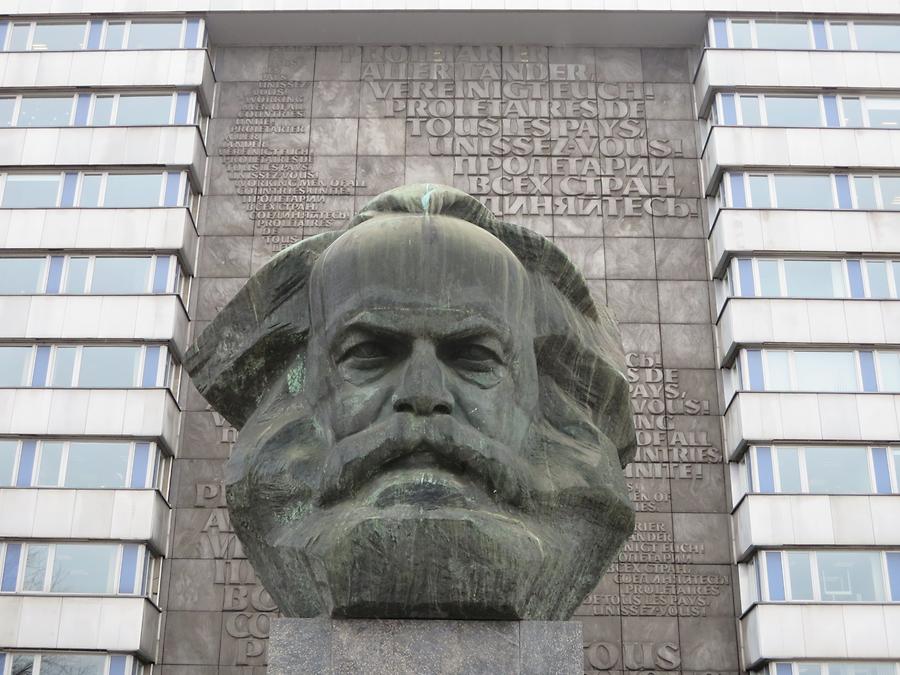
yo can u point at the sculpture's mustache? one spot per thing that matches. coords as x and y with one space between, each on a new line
356 459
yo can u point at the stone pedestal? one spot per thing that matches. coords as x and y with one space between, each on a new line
424 647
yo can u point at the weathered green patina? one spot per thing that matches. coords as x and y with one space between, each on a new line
433 418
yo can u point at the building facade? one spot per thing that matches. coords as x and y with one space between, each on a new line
726 177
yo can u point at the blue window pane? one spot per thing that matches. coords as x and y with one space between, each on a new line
182 104
127 574
882 473
775 575
191 33
41 363
745 267
764 469
893 563
843 191
3 27
755 370
94 35
832 118
729 112
139 466
719 28
26 464
82 106
117 664
782 669
2 655
867 367
151 365
856 282
161 274
738 196
11 568
821 42
68 193
54 275
173 180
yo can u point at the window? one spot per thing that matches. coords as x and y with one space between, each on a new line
60 663
102 34
96 189
45 111
82 464
811 191
830 576
819 371
79 568
806 35
792 111
92 366
824 469
82 110
31 191
155 35
58 37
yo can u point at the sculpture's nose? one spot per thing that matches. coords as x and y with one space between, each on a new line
422 390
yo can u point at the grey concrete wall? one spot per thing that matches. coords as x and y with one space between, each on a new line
593 147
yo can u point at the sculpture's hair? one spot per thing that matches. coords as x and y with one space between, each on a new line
577 344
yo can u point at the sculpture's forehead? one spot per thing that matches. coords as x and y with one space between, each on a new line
416 261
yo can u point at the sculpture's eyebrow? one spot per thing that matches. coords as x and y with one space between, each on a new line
387 324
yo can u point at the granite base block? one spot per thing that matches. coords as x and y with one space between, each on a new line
424 647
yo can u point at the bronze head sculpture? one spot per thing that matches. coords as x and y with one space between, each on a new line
433 418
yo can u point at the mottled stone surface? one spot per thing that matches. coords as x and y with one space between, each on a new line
410 647
434 418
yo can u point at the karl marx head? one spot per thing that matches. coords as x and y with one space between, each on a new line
433 418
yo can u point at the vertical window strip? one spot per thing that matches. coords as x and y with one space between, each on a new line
881 470
854 274
832 119
842 182
729 111
764 469
192 34
82 107
173 183
116 664
70 180
774 575
11 567
54 274
738 194
182 107
745 272
756 382
26 464
41 366
867 370
893 566
139 465
95 30
151 366
161 274
820 41
128 570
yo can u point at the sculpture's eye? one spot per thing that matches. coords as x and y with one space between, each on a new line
473 356
367 354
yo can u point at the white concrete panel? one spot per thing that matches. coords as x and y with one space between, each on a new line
783 632
788 321
736 68
111 147
187 68
77 622
158 229
126 317
14 502
777 148
746 231
131 413
763 417
774 521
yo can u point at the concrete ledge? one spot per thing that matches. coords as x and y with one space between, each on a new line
423 647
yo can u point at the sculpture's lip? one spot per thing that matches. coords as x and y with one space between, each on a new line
420 480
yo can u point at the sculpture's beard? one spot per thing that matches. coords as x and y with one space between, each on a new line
424 518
